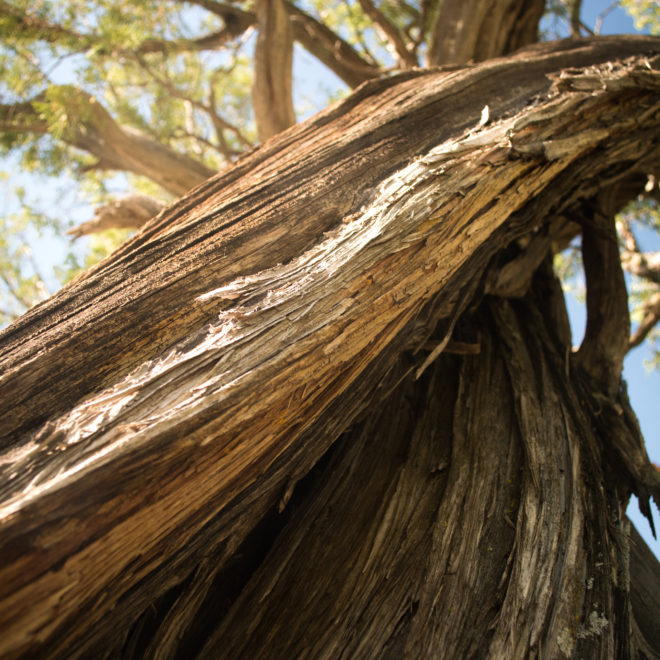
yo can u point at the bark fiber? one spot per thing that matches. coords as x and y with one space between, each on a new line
247 431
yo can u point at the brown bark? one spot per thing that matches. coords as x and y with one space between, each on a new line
272 91
91 128
216 357
607 333
480 29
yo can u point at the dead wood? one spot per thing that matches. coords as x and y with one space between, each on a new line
154 411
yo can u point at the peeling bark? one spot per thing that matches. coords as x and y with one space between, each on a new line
155 500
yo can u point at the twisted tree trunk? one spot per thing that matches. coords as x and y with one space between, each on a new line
301 412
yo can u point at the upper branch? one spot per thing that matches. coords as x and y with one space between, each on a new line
465 30
24 23
85 124
330 49
405 57
272 91
607 333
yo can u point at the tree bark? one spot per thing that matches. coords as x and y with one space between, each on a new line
272 91
477 30
159 412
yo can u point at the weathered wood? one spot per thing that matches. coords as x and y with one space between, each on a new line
465 453
156 408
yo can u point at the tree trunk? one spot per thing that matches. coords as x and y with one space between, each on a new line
288 419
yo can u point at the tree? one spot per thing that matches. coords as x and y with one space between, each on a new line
326 402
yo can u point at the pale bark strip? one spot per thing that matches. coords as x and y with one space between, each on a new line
272 91
275 344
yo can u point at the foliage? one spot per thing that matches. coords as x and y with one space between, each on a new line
646 14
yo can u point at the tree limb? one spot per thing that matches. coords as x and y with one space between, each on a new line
219 123
214 358
330 49
480 29
236 22
576 23
405 57
129 211
650 316
319 40
272 91
91 128
607 333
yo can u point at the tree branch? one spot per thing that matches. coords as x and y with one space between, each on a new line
236 23
651 316
219 123
91 128
272 91
405 57
205 358
465 30
576 23
31 26
127 212
607 333
330 49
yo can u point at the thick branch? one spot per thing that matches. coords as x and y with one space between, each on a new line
330 49
217 355
576 23
319 40
91 128
272 91
608 323
481 29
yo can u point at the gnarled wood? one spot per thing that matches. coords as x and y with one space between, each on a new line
217 356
